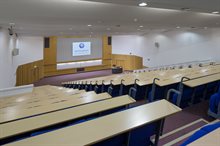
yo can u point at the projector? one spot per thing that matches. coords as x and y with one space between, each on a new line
10 31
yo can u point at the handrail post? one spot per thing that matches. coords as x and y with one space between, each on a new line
181 90
135 83
121 88
153 89
90 87
103 86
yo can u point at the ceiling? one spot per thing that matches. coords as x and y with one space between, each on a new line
110 17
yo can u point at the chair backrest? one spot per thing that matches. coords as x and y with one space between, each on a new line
214 101
87 88
141 135
132 92
96 89
110 90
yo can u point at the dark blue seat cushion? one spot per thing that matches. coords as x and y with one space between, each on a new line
210 128
214 101
194 137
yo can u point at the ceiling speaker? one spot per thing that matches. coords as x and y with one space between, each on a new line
157 45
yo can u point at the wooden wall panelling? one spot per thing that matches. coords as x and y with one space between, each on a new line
29 73
50 55
106 52
128 62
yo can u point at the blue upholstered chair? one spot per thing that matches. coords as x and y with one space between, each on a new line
141 135
214 105
132 92
203 131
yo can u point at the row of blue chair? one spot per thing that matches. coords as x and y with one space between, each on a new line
184 96
61 125
137 137
202 132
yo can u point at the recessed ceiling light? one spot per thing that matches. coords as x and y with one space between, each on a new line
142 4
178 27
215 12
141 26
135 19
138 29
185 9
89 25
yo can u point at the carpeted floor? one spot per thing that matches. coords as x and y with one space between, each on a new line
57 80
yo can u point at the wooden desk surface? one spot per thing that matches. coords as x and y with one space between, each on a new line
15 113
93 131
167 77
30 124
193 73
39 93
53 99
202 81
211 139
41 99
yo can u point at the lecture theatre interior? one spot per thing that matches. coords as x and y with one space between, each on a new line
110 72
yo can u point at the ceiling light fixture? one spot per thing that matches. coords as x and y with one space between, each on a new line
215 12
89 25
141 26
185 9
142 3
178 27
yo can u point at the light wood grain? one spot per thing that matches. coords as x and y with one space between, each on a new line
93 131
30 124
202 81
18 112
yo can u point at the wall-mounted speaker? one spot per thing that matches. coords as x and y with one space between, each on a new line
80 69
15 52
47 42
157 45
109 40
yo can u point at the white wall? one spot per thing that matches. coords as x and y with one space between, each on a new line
30 49
174 46
7 43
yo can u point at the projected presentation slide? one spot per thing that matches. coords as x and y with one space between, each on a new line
81 48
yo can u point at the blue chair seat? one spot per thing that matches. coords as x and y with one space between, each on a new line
214 101
195 136
210 128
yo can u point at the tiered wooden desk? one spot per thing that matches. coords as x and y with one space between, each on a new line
29 124
94 131
54 102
